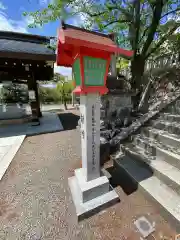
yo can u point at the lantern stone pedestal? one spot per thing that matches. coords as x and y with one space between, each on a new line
89 55
90 189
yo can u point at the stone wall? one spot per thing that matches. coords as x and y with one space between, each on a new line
114 101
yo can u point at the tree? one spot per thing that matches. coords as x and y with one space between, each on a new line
137 24
49 95
63 87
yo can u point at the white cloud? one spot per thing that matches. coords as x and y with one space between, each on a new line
8 24
77 20
63 70
2 7
43 2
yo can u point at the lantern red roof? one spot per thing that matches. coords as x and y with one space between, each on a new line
70 38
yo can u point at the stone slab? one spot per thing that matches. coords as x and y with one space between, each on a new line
91 189
9 153
161 169
167 198
163 136
6 141
159 151
3 151
93 206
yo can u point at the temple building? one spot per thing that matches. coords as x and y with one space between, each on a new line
26 59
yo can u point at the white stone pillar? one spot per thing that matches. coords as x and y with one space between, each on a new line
90 135
90 189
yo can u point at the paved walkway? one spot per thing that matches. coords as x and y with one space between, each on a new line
36 204
12 136
48 123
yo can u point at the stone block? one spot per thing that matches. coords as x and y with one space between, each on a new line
91 189
89 208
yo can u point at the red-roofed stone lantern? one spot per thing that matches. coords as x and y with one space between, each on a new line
89 54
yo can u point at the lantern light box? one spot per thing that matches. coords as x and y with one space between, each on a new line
90 72
94 71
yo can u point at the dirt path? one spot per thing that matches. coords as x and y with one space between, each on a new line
35 202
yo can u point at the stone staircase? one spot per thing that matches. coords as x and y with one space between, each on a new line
151 160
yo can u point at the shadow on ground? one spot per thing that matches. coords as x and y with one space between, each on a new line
68 120
122 181
119 177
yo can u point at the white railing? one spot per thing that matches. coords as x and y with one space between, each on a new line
154 64
161 62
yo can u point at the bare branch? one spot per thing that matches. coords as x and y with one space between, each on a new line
144 33
115 21
170 12
95 14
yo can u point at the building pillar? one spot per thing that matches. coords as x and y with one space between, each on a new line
37 99
34 97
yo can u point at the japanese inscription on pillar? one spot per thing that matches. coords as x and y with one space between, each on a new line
82 125
93 138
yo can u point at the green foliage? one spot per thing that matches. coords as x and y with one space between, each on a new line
48 95
14 93
61 93
52 95
122 64
136 23
67 87
140 25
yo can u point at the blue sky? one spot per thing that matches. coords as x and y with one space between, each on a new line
12 19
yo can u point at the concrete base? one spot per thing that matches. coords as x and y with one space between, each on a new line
49 123
90 197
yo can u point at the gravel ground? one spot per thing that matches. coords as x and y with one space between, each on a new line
35 201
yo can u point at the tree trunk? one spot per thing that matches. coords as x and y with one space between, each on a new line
65 105
64 100
137 71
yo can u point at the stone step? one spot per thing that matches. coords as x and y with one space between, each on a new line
170 127
162 136
170 117
164 196
174 108
161 169
157 150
